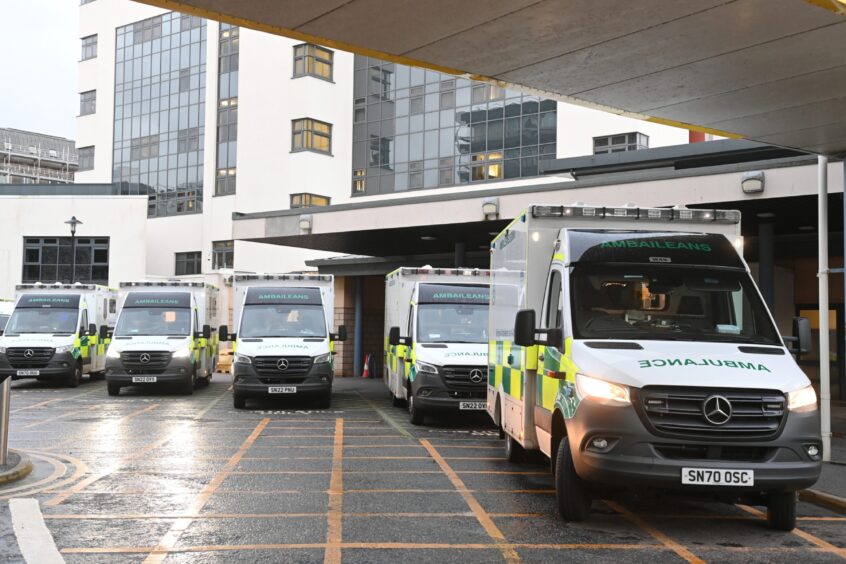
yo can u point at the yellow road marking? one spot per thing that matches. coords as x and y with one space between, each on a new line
334 519
479 512
170 538
56 400
62 416
658 535
825 546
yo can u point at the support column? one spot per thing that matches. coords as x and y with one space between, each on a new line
825 384
766 259
460 254
358 345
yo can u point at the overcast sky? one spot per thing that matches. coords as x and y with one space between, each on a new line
40 50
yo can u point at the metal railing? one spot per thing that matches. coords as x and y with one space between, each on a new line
37 172
37 152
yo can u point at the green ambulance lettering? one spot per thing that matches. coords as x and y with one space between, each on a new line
663 362
668 245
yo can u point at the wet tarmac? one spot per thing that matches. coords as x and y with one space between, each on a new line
154 477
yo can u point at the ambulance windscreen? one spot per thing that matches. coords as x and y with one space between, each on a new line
282 313
452 313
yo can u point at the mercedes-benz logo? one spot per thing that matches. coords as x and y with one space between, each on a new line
476 375
29 353
144 358
282 364
717 410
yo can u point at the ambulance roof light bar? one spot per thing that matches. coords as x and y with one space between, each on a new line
163 283
446 271
305 277
55 286
630 211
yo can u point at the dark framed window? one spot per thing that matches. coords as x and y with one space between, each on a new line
89 47
306 200
620 143
311 135
223 254
313 60
51 259
358 180
227 109
188 263
87 102
86 158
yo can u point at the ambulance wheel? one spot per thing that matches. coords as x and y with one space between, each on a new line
397 402
76 377
113 388
186 388
204 382
239 402
573 500
514 451
781 511
415 416
325 401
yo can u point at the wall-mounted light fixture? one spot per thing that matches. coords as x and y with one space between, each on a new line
490 208
752 182
304 223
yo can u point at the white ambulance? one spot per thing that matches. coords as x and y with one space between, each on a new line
436 339
283 339
57 332
637 352
164 335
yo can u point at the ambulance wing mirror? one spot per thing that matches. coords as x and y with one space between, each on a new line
104 331
92 329
341 335
207 332
223 333
524 328
393 336
801 335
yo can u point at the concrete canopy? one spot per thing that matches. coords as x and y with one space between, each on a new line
771 71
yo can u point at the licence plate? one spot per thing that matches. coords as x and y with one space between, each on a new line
29 373
143 379
282 390
717 477
472 405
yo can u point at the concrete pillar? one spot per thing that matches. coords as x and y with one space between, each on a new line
358 333
825 383
766 260
460 254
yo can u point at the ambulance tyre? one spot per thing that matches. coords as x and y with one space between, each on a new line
75 377
573 500
325 400
514 451
186 388
113 388
415 416
239 402
396 402
781 511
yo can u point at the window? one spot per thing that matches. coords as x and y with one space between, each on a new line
223 254
620 143
189 263
227 110
87 102
86 158
51 259
312 60
144 147
358 181
89 47
311 135
306 200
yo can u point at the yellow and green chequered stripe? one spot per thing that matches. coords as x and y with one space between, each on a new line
550 387
505 367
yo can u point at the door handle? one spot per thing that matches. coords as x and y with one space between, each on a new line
540 357
510 359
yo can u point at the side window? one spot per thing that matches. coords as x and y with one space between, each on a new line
84 322
196 321
554 309
410 327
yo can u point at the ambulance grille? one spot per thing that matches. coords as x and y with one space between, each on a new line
679 412
29 357
269 365
459 377
154 361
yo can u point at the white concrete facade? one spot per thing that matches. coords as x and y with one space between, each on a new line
268 172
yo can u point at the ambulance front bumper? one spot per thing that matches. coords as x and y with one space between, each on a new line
635 456
59 366
431 393
177 370
249 383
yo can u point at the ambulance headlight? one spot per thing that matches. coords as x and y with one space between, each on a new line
242 359
323 359
112 352
604 392
65 349
426 367
2 349
184 352
804 399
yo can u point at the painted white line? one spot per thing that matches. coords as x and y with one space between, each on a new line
34 539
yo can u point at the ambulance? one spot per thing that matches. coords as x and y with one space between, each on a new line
164 335
436 339
57 332
632 348
283 342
